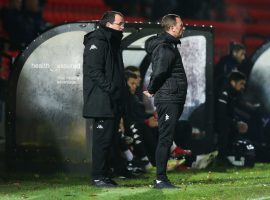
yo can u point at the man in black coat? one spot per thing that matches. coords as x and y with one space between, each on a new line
103 90
228 125
168 84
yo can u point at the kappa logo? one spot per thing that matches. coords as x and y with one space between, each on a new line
93 47
134 130
100 126
136 136
167 117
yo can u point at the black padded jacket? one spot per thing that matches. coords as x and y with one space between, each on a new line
103 74
168 80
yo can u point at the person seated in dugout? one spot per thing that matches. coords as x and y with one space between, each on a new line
137 123
228 64
135 70
143 125
228 126
248 109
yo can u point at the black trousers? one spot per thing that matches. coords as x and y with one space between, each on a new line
168 115
105 139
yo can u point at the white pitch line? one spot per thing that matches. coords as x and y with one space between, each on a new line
261 198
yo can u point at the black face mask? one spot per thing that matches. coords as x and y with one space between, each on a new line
116 36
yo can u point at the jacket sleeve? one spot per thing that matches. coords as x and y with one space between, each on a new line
95 54
162 59
223 121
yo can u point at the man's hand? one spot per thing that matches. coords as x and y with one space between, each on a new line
152 122
146 93
121 125
155 114
242 127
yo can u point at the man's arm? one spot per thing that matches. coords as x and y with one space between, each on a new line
162 61
95 55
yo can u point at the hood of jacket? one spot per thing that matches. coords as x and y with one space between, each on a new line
152 42
107 34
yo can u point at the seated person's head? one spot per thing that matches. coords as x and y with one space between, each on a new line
135 70
131 81
238 81
238 52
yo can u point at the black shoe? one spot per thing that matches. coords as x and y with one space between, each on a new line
104 182
125 174
163 184
111 181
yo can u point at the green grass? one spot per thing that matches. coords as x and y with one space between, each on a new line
213 183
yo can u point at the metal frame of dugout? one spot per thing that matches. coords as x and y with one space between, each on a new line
44 125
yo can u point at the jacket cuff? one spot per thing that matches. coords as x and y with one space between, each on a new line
150 90
146 122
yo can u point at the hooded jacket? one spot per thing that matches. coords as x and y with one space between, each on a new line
168 80
103 74
226 119
222 70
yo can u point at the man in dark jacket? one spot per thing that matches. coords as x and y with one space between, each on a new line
228 126
168 84
103 90
227 64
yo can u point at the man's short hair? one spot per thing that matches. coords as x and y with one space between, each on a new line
235 46
237 76
109 16
129 75
168 21
132 68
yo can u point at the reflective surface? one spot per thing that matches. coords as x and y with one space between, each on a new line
258 86
49 97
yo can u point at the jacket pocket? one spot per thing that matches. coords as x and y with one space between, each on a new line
100 102
173 86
